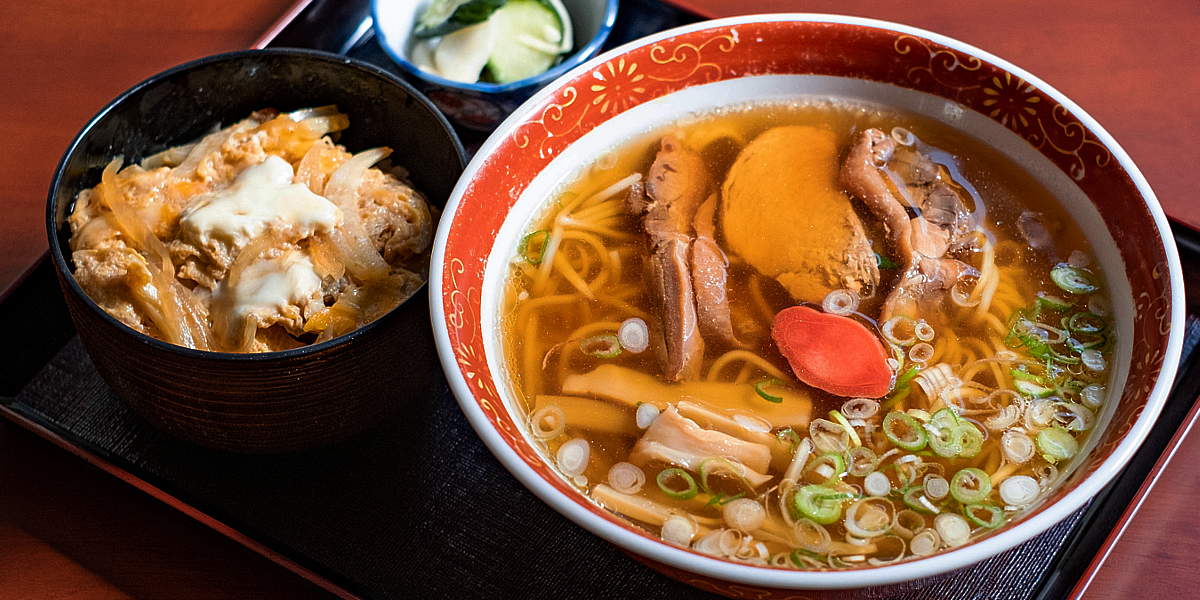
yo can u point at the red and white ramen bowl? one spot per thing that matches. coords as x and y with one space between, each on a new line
651 82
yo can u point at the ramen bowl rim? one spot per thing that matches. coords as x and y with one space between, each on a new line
573 505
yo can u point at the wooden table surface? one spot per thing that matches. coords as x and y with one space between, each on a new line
68 530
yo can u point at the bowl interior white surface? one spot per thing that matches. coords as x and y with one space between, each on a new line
654 114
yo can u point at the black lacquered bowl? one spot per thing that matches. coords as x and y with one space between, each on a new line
278 401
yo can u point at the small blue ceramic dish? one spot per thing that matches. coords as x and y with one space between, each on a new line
482 106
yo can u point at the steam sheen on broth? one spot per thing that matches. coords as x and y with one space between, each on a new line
671 318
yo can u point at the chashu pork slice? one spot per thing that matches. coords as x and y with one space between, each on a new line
783 211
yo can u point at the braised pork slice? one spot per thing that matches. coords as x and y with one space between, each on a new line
891 181
677 184
784 213
709 273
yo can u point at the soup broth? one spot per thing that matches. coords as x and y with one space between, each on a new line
922 388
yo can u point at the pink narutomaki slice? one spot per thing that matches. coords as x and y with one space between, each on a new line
832 353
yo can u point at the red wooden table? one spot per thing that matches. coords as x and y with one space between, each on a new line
68 530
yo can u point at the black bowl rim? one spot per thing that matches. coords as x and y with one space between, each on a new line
56 250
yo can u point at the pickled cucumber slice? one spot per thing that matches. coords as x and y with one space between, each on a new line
444 17
530 38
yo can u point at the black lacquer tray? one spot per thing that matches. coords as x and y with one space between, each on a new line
417 507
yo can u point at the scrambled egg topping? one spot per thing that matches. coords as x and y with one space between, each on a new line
262 236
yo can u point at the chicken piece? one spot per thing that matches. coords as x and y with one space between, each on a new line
215 227
395 216
277 287
784 214
677 440
920 243
677 184
117 279
150 195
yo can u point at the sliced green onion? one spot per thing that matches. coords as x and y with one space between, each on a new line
1053 303
835 462
915 498
970 485
1079 346
945 416
604 345
903 477
1030 388
1027 376
805 504
1086 322
884 262
788 436
945 433
1074 279
837 496
711 466
841 419
984 514
919 415
667 477
1034 344
721 499
862 461
533 246
970 439
820 559
906 377
1057 444
760 388
904 431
